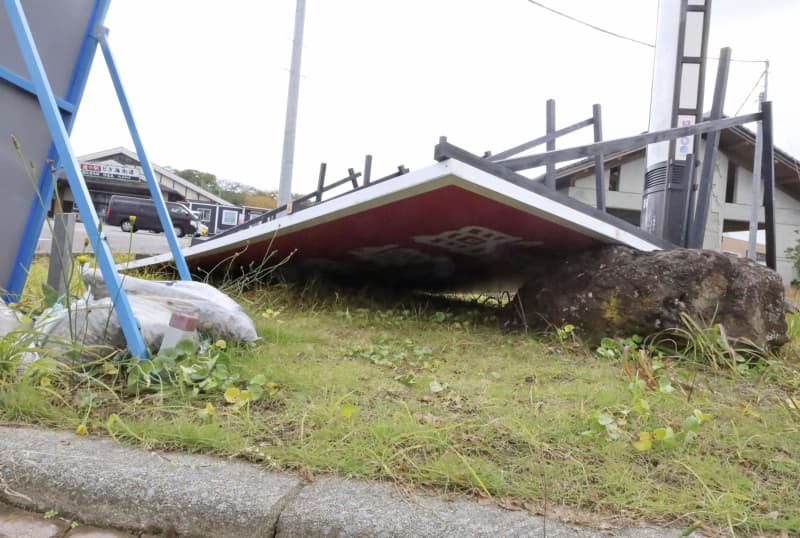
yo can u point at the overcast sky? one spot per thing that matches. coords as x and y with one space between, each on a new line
207 80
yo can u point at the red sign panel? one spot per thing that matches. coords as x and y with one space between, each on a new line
447 237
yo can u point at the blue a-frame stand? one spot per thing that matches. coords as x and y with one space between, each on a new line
61 152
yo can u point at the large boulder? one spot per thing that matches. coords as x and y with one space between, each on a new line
618 291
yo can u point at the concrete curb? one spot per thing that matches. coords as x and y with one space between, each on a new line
104 483
335 507
107 484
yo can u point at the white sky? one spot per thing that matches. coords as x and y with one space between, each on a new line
207 80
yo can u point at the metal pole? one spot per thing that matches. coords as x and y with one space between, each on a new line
599 165
147 168
285 188
550 175
768 169
60 268
697 233
58 132
755 198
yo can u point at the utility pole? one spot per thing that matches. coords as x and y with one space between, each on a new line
285 188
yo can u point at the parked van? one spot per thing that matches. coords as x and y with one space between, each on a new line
122 208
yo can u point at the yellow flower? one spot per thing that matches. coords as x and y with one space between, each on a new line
222 344
232 395
644 443
81 429
82 258
132 218
207 412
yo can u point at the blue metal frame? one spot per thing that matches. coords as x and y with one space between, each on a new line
101 34
45 188
13 78
60 136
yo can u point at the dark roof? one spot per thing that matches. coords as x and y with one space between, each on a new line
739 145
122 186
126 156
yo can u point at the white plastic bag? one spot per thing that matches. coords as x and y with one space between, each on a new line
90 329
219 316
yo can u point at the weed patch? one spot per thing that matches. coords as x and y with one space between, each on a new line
428 392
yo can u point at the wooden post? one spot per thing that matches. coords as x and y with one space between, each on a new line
367 169
599 165
698 229
550 174
768 170
321 180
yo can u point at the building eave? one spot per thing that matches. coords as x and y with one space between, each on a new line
99 155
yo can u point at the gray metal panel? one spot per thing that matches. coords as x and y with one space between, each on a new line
22 118
58 28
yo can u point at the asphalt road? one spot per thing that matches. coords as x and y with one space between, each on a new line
140 242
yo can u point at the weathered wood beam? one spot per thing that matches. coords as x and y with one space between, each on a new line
625 144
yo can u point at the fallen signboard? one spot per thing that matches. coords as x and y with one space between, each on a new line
450 225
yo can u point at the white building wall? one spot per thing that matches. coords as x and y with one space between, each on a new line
787 214
629 197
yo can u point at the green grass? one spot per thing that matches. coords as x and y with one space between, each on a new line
507 415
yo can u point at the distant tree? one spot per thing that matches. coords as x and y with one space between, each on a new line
201 179
298 205
235 198
234 186
233 192
260 200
